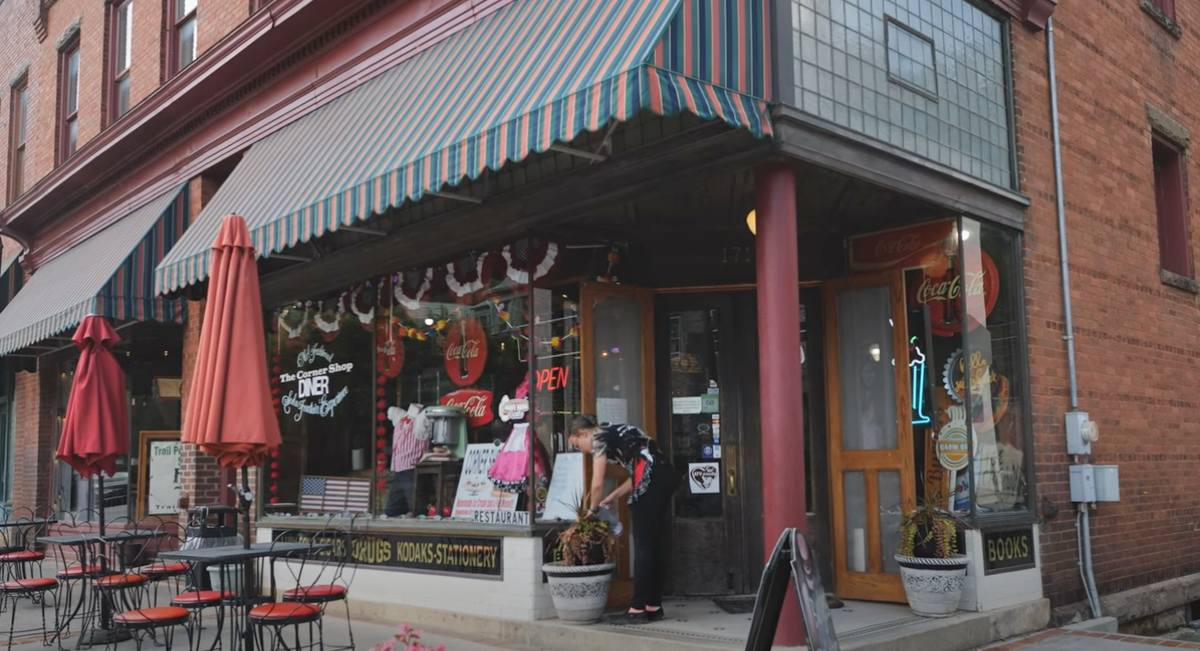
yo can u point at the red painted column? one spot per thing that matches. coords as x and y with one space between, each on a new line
779 370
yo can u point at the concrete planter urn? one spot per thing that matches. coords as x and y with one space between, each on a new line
580 592
933 585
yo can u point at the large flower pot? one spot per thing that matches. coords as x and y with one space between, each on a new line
933 585
580 592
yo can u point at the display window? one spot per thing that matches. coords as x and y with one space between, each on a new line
965 360
441 392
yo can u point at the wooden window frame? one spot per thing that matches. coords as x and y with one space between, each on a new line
1170 202
174 24
18 139
116 74
66 116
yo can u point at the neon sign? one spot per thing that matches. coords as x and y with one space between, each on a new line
552 379
917 371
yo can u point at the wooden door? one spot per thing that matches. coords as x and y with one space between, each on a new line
871 465
617 365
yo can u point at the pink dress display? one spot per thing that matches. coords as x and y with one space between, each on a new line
510 472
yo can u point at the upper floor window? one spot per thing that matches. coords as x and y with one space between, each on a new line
122 57
183 15
1167 7
68 70
19 119
1171 205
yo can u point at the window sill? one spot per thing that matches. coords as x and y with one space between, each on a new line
1178 282
1168 23
1004 520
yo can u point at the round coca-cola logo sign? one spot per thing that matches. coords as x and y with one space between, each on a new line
943 294
476 402
465 352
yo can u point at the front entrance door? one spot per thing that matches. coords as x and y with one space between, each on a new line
870 432
700 425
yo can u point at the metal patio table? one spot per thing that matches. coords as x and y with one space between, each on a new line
248 598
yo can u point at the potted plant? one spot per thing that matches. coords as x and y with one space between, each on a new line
930 566
580 575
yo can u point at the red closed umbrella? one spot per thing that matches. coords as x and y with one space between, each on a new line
230 414
96 428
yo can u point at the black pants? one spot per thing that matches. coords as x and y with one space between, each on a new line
401 498
651 520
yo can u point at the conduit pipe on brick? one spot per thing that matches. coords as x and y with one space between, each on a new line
1082 526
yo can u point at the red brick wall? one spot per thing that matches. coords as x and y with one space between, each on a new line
217 18
1137 340
36 419
16 33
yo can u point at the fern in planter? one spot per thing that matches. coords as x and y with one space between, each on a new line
929 531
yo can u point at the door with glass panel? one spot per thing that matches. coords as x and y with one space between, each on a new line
870 433
700 424
617 365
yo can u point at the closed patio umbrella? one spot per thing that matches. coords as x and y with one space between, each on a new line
96 428
229 414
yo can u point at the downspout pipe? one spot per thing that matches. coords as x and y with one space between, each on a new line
1082 524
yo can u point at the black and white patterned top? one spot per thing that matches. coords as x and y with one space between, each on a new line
630 448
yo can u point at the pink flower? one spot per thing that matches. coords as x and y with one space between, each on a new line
405 631
414 647
441 647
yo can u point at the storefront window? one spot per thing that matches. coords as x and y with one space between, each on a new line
994 349
432 393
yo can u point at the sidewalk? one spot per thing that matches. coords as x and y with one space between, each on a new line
1064 640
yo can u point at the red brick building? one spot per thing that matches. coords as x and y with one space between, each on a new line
926 112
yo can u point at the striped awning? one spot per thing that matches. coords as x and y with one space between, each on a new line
110 273
533 74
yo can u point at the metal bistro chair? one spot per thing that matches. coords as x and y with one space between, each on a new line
337 586
196 599
39 590
22 555
120 586
278 617
76 564
128 591
160 571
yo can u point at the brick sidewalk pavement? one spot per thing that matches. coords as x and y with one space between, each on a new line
1064 640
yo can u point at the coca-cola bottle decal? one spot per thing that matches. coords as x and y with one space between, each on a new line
950 311
463 371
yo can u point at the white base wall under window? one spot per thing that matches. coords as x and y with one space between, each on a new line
983 592
519 595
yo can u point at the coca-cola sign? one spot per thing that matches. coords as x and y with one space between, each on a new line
477 403
465 351
911 247
943 294
389 348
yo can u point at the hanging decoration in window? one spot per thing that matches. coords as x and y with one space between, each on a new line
529 255
467 275
410 287
360 297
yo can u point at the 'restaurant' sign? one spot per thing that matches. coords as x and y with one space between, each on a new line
465 351
1008 551
479 557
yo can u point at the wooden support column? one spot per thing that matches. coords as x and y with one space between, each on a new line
779 371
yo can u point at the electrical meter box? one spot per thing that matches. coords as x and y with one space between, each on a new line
1083 483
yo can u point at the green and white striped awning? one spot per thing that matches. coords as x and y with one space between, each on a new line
533 74
110 273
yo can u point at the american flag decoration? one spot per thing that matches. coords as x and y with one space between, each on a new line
335 495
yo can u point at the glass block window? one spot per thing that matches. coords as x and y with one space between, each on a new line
926 76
